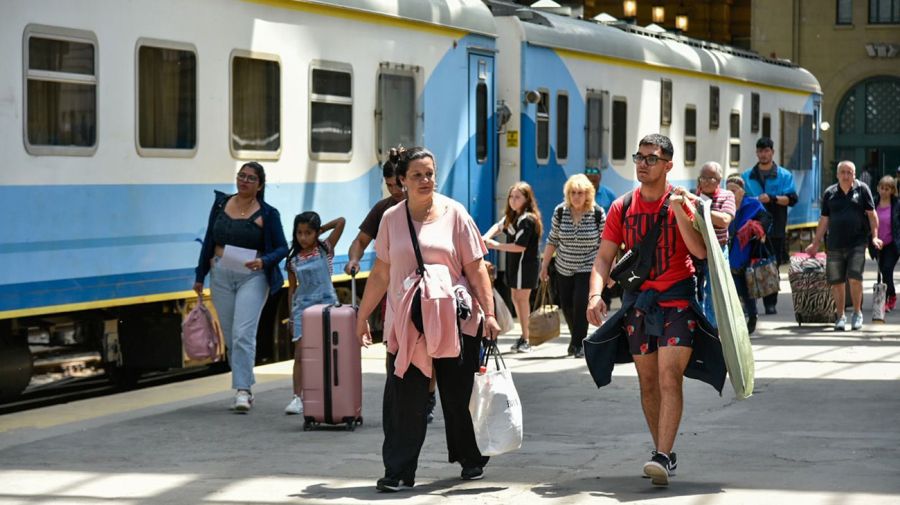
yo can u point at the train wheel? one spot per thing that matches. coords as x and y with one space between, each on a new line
121 377
273 335
15 365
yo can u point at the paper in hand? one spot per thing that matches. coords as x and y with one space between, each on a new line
233 258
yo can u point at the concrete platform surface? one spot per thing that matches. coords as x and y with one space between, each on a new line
822 427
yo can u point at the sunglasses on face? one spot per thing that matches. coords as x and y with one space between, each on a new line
650 159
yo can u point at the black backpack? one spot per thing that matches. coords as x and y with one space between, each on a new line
598 214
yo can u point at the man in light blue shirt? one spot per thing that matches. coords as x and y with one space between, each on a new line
602 195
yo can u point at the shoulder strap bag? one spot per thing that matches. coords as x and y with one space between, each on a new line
635 265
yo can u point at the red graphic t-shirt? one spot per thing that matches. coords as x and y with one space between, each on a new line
673 261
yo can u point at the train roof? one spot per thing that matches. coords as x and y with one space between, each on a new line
627 42
467 15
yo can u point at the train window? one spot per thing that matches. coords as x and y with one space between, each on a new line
395 112
884 11
166 99
665 102
713 107
767 126
481 122
797 140
543 127
619 128
844 12
562 127
690 135
754 112
60 91
734 139
331 111
255 105
594 129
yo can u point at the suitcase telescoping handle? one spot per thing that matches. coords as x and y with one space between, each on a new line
353 289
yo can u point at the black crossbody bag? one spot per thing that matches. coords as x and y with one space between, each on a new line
463 311
635 265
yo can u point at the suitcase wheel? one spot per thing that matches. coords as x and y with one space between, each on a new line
309 423
359 421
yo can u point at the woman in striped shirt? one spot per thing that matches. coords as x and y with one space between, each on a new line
577 225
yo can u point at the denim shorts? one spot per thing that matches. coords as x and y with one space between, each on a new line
843 264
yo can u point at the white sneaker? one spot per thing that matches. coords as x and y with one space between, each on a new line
295 408
242 401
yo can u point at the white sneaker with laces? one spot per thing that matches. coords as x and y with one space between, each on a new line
856 321
243 400
295 408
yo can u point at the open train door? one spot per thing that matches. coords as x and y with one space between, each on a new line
482 153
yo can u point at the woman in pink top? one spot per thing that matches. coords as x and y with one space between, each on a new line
887 206
447 236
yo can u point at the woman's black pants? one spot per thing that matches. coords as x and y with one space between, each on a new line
573 298
887 260
404 412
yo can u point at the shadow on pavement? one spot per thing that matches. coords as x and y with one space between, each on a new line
625 488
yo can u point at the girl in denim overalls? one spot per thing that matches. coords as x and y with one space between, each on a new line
309 266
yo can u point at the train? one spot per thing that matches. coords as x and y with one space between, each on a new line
121 119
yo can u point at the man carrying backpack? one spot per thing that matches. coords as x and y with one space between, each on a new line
660 326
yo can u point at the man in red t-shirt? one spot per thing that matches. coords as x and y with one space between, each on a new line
660 373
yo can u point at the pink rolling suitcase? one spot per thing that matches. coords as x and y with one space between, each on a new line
331 366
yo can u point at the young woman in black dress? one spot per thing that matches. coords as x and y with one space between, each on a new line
521 225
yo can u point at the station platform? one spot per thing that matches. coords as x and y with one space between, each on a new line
822 427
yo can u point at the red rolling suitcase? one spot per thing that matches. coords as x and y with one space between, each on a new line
331 366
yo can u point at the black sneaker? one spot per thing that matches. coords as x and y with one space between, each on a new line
571 350
659 469
472 473
770 309
579 353
751 324
673 463
429 408
390 485
521 345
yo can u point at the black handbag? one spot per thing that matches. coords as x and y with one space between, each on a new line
463 310
634 267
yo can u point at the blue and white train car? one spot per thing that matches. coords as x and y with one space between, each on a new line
119 119
582 94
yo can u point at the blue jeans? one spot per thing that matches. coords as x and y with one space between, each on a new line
239 299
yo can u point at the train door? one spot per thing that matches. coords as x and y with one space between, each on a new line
482 151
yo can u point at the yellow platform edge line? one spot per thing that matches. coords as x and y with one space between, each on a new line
132 300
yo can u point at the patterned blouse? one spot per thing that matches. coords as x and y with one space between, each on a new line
576 245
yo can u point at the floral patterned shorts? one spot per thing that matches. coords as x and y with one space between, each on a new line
679 328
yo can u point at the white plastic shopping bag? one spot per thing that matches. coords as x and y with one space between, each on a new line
504 316
495 407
